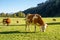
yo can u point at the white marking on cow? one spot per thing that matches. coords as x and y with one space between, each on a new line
35 17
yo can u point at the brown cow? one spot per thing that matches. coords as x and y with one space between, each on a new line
6 21
54 19
35 18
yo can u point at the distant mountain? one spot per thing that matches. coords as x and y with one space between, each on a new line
51 8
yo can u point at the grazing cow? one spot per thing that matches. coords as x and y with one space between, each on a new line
17 21
6 21
54 19
35 18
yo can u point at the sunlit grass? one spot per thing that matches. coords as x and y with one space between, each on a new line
16 31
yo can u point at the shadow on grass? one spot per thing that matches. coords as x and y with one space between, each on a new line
54 23
11 32
18 25
14 25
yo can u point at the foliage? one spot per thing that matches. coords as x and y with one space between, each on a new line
20 14
2 14
17 14
50 8
14 15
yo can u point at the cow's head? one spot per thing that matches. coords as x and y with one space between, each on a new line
43 27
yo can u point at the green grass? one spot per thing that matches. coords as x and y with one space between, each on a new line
16 31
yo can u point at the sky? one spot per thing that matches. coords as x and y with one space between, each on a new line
8 6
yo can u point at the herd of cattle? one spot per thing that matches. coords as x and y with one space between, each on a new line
31 18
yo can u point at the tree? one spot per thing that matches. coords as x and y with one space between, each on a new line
7 15
3 14
20 14
50 8
14 15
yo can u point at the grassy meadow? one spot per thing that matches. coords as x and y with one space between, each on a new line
16 31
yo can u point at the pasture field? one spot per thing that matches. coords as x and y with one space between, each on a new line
16 31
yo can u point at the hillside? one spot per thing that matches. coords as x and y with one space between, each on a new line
51 8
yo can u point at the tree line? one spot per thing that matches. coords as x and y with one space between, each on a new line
50 8
17 14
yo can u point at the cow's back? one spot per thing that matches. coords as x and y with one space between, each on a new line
8 21
29 17
40 20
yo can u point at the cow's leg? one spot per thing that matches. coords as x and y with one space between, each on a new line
27 27
35 27
7 24
3 23
43 29
40 28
